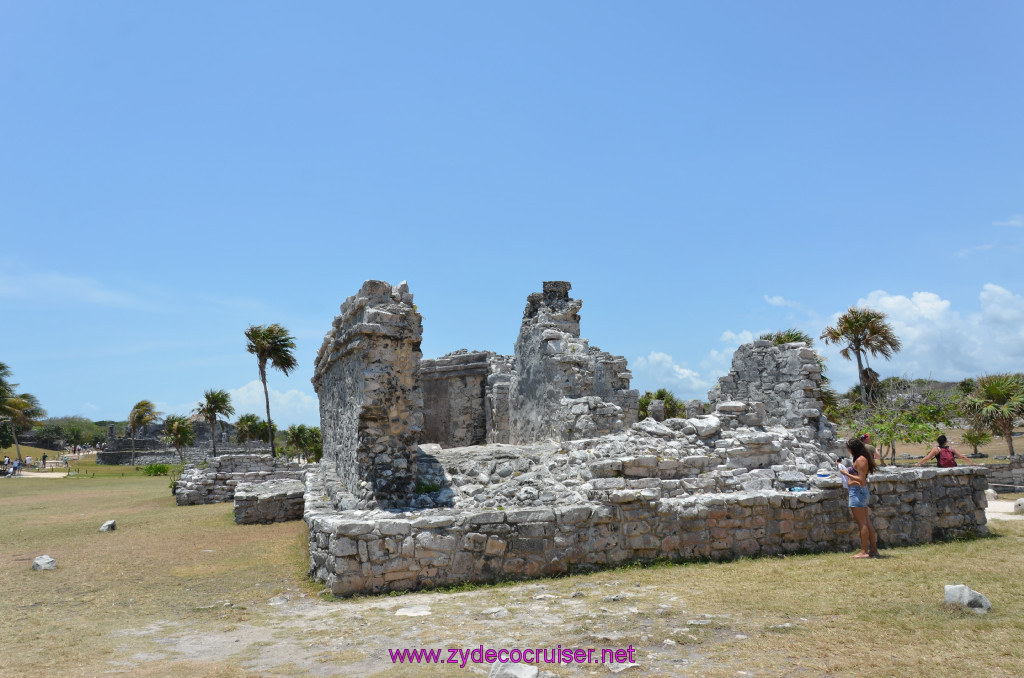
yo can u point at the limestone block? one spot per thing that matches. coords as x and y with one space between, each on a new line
959 594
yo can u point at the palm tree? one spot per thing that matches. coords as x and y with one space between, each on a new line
21 410
247 428
273 343
789 336
864 331
179 433
996 401
974 437
142 414
216 403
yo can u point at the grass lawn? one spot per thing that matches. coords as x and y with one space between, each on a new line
183 591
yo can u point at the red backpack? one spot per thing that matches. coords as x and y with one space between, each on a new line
946 458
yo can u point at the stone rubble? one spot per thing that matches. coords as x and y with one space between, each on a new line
44 563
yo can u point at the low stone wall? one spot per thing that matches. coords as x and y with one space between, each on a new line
1007 477
375 551
217 482
168 455
273 501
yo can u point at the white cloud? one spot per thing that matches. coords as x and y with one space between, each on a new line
779 301
56 288
735 339
1016 221
287 408
290 407
971 250
659 370
942 342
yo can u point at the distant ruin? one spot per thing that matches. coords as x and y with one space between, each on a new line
477 466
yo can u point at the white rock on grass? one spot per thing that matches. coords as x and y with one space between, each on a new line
1018 506
958 594
413 611
108 526
991 495
44 563
509 670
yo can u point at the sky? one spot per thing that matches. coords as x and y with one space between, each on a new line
701 172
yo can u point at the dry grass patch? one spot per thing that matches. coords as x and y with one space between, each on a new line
184 591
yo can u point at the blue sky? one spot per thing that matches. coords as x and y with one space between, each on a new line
701 173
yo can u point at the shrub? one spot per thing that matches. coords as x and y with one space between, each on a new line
157 470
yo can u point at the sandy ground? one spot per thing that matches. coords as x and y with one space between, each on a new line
1002 510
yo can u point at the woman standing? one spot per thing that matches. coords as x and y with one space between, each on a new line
857 477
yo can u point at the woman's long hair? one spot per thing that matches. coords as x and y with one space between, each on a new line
856 446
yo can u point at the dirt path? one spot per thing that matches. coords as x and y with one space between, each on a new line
1002 510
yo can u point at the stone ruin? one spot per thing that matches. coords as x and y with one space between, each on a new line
217 479
478 467
555 386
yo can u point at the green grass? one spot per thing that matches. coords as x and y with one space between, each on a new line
162 562
176 567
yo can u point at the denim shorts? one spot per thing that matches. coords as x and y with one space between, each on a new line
859 496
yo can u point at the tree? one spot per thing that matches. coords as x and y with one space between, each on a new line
996 401
975 437
142 414
863 331
306 439
216 403
273 343
251 427
18 410
673 406
789 336
179 433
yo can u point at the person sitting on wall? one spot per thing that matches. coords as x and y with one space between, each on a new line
946 455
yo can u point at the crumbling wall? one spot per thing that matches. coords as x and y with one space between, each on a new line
370 400
496 397
561 388
454 398
216 481
786 379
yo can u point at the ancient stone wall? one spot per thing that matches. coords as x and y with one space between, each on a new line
375 552
216 481
272 501
786 379
454 398
162 454
561 388
496 402
574 486
371 404
151 437
1009 477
